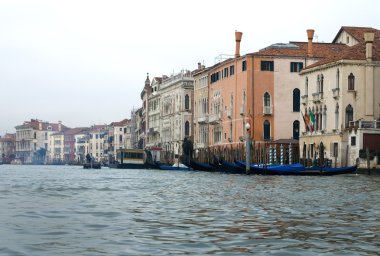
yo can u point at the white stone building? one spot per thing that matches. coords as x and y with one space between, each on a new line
343 94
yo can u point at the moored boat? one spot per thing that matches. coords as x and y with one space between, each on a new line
93 165
297 169
228 167
201 166
175 167
129 159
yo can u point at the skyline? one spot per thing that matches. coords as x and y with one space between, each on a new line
85 62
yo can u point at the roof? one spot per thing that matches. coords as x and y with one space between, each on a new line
45 126
8 137
98 128
299 49
123 122
77 130
357 32
356 52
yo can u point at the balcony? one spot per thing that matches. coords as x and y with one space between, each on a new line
335 93
365 124
267 110
242 110
317 97
229 113
203 119
200 145
304 99
215 118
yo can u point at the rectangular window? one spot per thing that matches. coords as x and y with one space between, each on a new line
353 141
296 66
267 65
244 65
232 70
225 72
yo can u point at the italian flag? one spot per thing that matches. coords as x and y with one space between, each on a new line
311 121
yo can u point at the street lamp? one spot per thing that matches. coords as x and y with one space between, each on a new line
247 148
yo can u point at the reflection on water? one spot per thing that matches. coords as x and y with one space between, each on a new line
64 210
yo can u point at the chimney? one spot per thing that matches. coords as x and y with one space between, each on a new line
59 126
238 36
369 38
199 66
310 35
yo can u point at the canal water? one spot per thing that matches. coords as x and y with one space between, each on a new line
66 210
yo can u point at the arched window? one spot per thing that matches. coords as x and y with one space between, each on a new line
187 102
296 100
318 84
324 119
307 86
321 85
266 130
187 128
266 102
349 115
336 116
296 130
337 78
351 82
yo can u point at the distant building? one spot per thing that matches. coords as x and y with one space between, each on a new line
32 140
7 147
70 155
98 140
121 134
144 112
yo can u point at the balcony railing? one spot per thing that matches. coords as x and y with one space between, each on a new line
203 119
214 118
229 113
201 145
267 110
304 99
317 97
335 93
242 110
365 124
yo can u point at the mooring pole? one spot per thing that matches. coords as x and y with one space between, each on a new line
247 149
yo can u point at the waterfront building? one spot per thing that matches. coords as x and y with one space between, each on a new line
145 93
175 111
201 107
32 140
97 142
340 100
81 142
69 148
56 148
260 88
121 135
136 141
7 147
154 114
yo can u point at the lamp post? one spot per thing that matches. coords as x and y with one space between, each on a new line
247 149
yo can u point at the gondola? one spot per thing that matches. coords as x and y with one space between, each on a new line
298 169
201 166
228 167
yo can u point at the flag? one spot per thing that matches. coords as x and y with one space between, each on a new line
306 120
312 120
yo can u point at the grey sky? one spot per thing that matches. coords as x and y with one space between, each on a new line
85 62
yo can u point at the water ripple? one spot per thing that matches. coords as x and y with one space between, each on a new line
65 210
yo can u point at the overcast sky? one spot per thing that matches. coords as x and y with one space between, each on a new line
84 62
